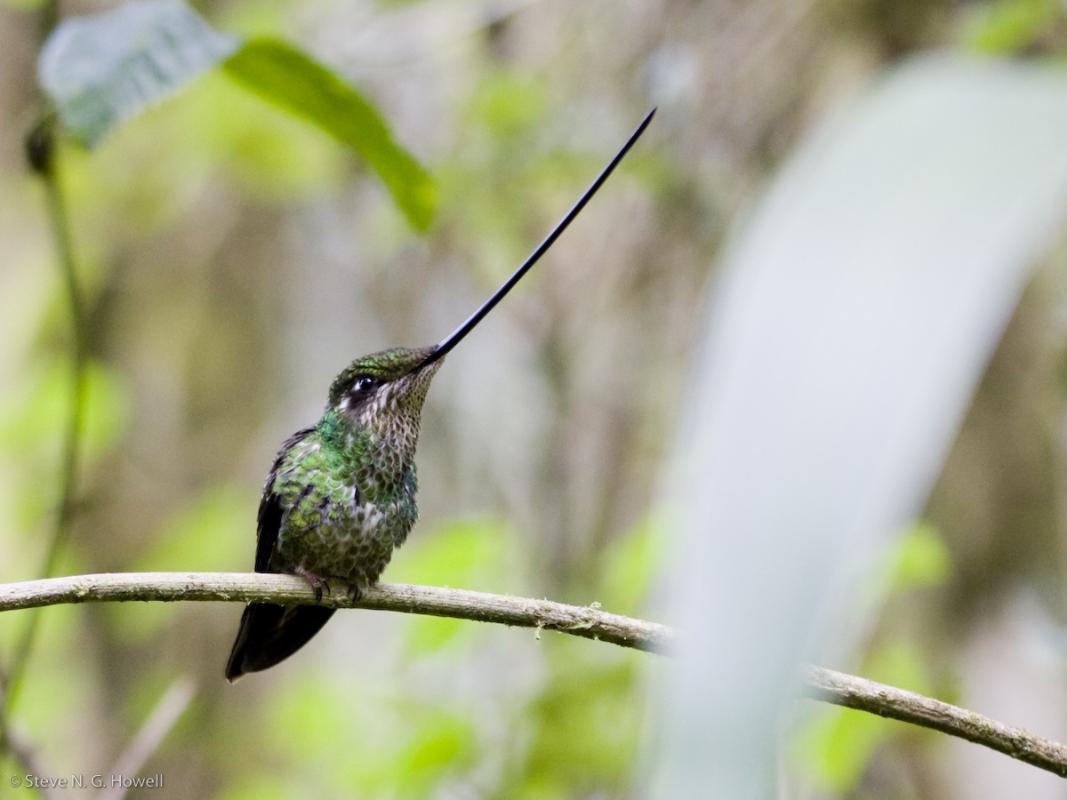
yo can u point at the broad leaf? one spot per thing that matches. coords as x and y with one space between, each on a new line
102 69
288 78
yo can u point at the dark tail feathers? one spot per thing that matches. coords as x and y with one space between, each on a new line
270 634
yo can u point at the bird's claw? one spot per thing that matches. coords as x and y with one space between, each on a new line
316 582
355 592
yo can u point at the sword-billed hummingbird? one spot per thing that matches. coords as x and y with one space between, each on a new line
341 494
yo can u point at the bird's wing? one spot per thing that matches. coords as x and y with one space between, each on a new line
270 508
270 633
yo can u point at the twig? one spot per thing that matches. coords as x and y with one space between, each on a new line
25 759
25 756
40 153
57 211
588 622
164 716
888 701
40 150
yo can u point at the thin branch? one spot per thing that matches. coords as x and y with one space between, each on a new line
26 760
586 621
72 437
41 153
25 755
164 716
41 157
888 701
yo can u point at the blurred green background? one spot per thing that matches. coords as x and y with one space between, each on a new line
234 258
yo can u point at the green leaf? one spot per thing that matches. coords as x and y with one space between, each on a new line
290 79
104 68
101 69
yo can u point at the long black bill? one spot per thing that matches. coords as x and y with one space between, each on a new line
457 335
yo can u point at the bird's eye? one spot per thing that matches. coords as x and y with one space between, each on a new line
365 384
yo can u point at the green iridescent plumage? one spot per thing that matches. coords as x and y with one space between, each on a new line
339 498
348 486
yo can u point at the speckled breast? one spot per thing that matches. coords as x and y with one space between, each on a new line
332 529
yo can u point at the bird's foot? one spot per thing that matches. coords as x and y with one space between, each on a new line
355 592
316 582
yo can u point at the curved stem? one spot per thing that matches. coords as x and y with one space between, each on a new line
76 414
862 694
157 725
586 621
72 436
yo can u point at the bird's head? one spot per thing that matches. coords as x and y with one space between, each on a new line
392 383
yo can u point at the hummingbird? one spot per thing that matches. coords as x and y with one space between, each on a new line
340 496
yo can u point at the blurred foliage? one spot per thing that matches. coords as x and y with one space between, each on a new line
921 559
583 728
29 418
411 747
32 413
209 533
507 103
462 554
630 565
204 534
53 688
1008 26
